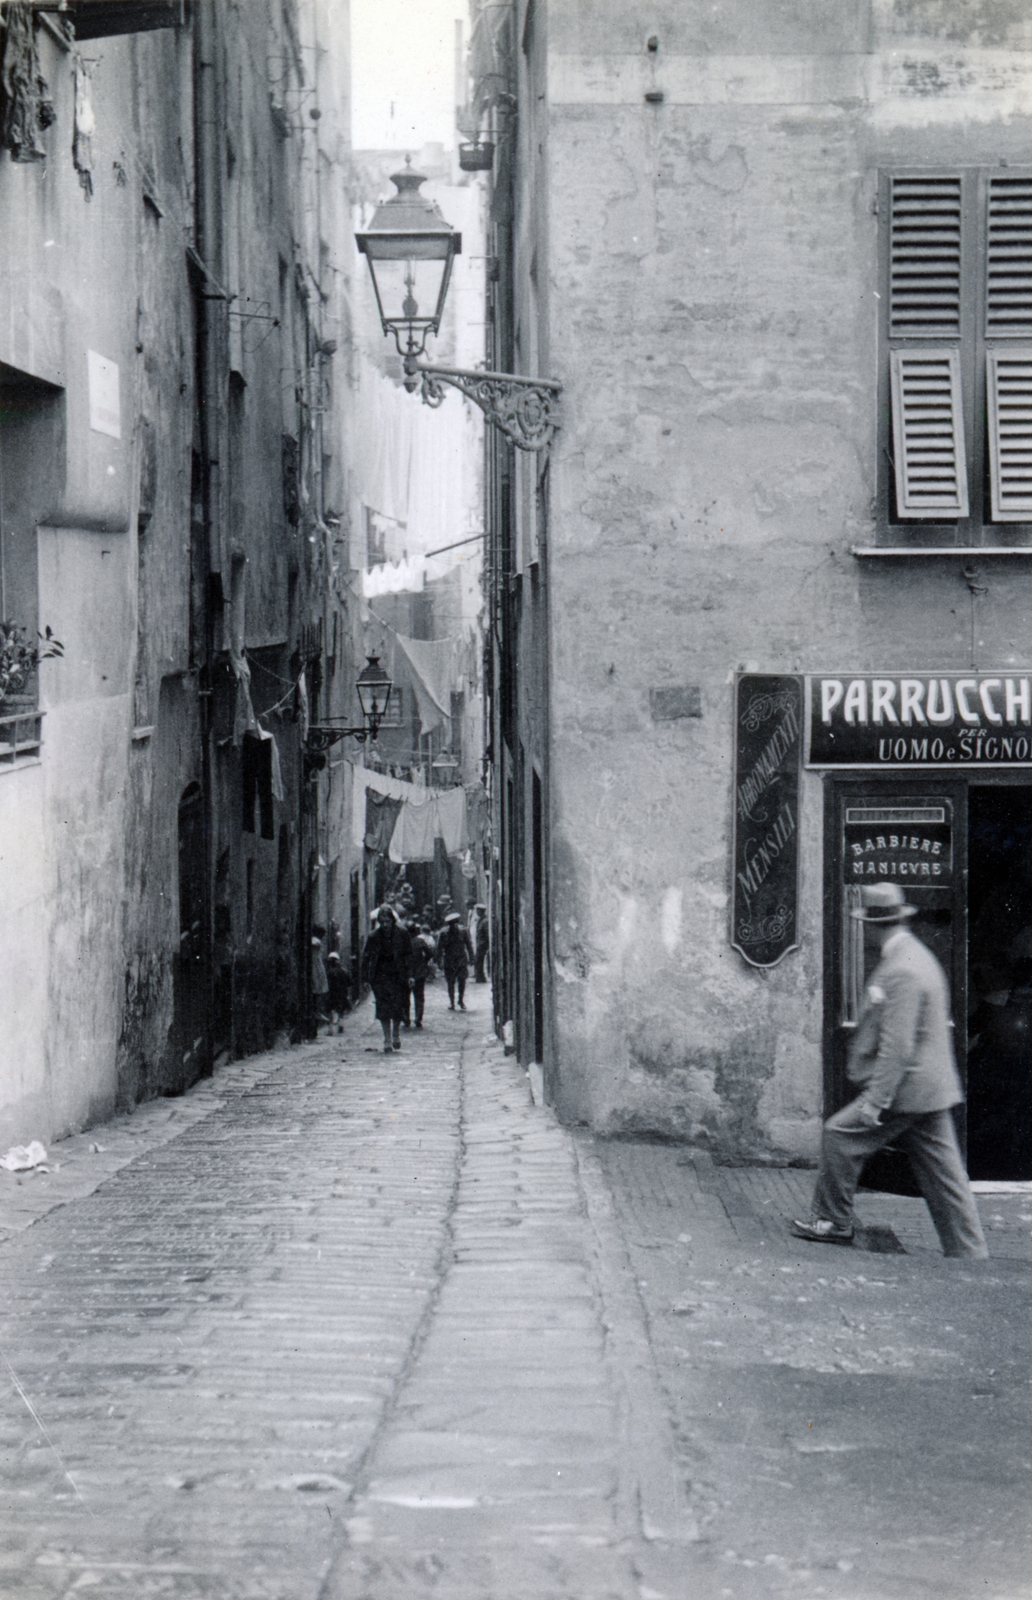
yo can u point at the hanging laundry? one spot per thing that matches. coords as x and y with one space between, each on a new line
278 791
451 820
433 664
25 103
415 831
381 815
405 577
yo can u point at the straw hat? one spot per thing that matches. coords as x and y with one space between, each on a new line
883 902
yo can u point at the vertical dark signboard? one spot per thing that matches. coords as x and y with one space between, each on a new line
765 833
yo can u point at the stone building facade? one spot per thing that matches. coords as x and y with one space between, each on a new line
780 258
174 302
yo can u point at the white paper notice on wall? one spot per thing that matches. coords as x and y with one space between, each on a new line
105 405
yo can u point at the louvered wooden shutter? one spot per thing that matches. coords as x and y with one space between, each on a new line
924 258
1009 386
1008 312
928 433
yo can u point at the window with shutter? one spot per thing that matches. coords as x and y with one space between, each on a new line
956 419
924 268
1009 384
928 433
1008 312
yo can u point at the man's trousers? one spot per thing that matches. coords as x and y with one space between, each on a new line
930 1142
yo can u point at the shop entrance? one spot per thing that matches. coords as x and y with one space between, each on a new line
963 855
912 832
999 1055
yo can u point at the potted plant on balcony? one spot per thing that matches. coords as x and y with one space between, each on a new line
19 659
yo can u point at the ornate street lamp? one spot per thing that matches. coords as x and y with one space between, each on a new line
410 249
374 693
374 696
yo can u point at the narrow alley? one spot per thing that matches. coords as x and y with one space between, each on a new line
350 1326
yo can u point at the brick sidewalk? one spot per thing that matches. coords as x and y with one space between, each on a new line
350 1332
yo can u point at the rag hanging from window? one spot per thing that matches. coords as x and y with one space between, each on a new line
85 125
25 103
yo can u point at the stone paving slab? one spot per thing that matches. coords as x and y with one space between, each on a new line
852 1425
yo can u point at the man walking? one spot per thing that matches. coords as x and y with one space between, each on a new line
422 955
902 1059
455 954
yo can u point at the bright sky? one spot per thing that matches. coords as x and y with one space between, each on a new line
403 72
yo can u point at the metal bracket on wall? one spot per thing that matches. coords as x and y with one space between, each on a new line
526 410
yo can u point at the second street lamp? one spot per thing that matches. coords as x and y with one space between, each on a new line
373 687
410 249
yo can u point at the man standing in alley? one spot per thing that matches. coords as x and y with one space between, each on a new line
455 953
481 942
902 1060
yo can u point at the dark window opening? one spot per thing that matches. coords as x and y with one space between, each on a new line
256 785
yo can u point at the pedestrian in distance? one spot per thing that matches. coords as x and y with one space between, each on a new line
340 991
902 1062
422 957
387 968
319 987
481 944
441 911
403 906
455 953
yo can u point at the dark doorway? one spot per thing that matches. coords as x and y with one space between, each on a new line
1000 983
913 832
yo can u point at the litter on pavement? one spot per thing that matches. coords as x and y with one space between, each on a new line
22 1157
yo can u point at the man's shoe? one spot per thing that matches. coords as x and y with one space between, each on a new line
388 1049
821 1231
462 1005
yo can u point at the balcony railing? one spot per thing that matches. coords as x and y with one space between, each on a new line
20 735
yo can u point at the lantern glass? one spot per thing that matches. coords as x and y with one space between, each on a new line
408 290
374 690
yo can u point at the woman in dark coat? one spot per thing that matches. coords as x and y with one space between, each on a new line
388 969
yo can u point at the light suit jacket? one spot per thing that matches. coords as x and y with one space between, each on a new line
902 1052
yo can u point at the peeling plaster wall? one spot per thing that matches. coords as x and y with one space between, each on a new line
712 268
61 880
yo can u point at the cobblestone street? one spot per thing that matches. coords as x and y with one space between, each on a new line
341 1335
353 1326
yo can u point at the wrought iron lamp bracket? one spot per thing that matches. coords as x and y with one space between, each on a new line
526 410
323 737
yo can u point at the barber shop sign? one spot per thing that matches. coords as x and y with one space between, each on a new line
952 720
